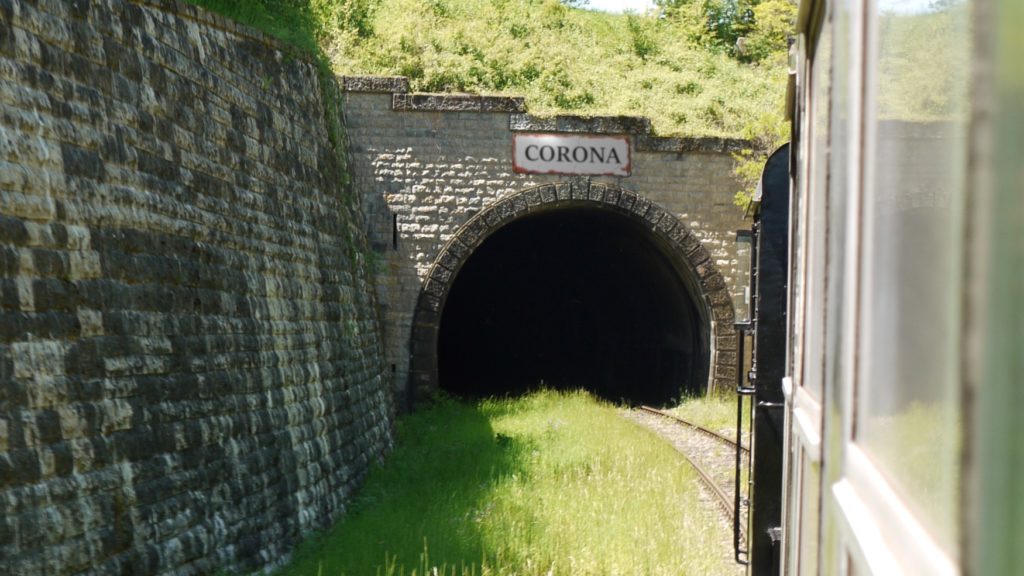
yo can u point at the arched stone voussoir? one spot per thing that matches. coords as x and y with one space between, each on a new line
679 244
548 194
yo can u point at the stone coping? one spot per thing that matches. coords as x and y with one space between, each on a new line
521 121
581 124
381 84
649 143
457 103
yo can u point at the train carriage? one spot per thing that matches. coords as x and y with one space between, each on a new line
897 447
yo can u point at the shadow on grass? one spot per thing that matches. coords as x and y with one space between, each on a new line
430 496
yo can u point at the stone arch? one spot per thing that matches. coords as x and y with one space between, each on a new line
697 271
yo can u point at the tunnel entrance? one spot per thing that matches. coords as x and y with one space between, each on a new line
577 297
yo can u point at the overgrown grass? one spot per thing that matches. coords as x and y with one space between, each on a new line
567 60
550 483
562 59
716 412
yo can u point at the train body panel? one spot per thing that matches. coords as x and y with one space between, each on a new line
901 349
770 281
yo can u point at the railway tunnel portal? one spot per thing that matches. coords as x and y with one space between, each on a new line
567 286
572 298
622 260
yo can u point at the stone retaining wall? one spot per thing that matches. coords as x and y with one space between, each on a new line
190 353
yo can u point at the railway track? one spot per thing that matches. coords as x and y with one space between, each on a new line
697 427
711 455
724 500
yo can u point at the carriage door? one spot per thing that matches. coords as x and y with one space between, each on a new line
804 383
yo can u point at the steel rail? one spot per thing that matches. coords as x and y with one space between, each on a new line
696 427
724 500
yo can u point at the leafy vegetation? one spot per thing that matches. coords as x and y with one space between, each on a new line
567 60
678 66
549 483
694 67
766 134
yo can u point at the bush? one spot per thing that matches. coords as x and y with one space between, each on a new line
643 41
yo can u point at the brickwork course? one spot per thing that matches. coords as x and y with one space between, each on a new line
190 352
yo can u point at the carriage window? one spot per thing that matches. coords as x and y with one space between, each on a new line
908 417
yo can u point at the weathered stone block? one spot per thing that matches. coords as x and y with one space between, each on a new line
650 143
519 204
714 281
581 124
441 274
459 249
726 342
654 215
579 188
641 206
388 84
502 104
563 191
667 225
448 260
723 384
627 200
532 197
725 371
698 254
548 194
456 103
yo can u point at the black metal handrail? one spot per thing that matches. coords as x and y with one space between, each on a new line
740 554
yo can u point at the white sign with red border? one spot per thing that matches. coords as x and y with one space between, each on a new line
571 154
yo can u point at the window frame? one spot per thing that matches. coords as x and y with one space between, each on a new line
808 241
878 533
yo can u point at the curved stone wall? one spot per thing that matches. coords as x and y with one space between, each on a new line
190 353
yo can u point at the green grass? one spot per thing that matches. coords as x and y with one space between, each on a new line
562 59
716 412
550 483
566 60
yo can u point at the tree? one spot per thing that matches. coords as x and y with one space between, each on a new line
769 35
727 21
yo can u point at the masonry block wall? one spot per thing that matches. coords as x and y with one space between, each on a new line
190 352
426 163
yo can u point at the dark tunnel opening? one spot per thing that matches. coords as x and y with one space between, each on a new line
573 298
